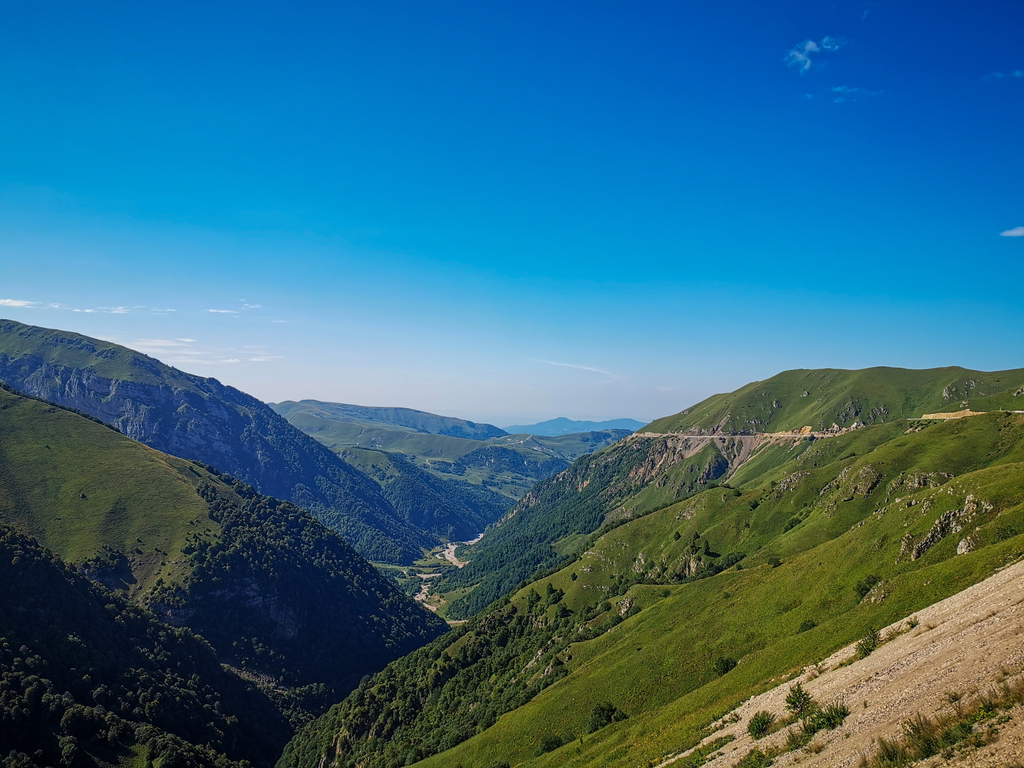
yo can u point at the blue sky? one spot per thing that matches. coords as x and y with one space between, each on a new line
514 211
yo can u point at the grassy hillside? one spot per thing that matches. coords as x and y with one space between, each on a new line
82 489
821 398
253 575
675 617
201 419
546 527
88 679
645 472
419 421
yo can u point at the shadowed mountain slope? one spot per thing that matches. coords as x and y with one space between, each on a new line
279 596
86 676
201 419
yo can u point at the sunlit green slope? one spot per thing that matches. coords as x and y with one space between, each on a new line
821 398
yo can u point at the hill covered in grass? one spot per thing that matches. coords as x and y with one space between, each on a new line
665 622
659 466
87 678
419 421
821 398
201 419
253 575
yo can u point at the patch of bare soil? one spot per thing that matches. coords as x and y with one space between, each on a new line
963 644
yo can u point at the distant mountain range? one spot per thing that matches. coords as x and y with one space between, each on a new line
564 426
419 421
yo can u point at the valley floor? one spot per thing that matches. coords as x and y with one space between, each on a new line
964 645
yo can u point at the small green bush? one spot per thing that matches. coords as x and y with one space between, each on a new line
604 713
723 664
799 701
760 723
755 758
549 743
806 625
867 644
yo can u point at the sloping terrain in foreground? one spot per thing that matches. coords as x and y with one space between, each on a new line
937 663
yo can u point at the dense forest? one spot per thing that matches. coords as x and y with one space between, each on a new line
262 591
84 673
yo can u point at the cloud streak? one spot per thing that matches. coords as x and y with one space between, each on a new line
1015 232
852 93
1003 75
18 303
609 375
801 56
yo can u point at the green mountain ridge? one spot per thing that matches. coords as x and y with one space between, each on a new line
821 541
821 398
201 419
657 466
253 575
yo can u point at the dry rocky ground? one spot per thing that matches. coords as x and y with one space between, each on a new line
965 644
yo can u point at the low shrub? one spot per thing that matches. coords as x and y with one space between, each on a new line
760 724
867 644
723 664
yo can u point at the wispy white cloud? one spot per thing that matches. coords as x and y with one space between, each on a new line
223 311
1015 232
1003 75
577 367
162 343
802 55
609 376
265 358
18 303
852 93
251 306
279 321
